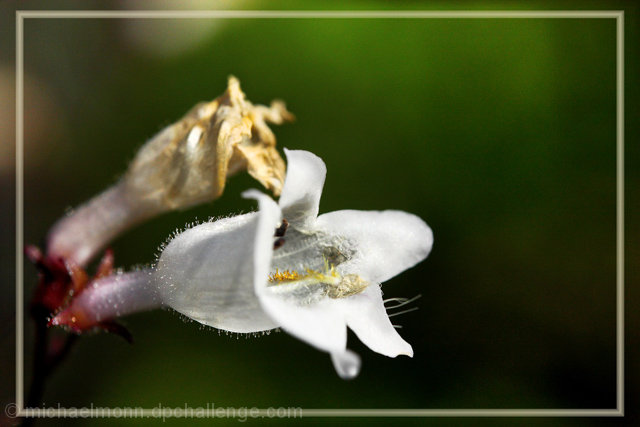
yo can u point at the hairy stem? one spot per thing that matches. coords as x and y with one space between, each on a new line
79 236
108 298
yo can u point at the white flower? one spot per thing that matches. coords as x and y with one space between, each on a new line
314 278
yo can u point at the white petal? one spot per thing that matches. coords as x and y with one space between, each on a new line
263 242
320 324
386 242
347 364
367 317
207 274
300 197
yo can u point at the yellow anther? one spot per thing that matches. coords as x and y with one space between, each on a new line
284 276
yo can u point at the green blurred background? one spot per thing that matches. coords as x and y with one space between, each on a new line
499 133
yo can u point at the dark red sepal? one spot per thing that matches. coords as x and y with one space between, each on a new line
116 328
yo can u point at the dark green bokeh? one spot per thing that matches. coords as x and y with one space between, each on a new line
499 133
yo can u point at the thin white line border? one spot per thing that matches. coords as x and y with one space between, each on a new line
618 15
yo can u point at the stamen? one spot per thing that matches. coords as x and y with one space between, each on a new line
284 276
403 312
401 301
334 285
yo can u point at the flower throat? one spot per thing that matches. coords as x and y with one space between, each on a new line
308 260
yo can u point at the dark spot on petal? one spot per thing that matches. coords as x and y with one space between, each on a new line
282 228
278 243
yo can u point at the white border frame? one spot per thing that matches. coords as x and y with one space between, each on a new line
617 15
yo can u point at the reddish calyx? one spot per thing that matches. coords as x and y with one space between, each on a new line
59 282
54 281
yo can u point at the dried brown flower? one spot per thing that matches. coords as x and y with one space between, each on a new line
188 162
185 164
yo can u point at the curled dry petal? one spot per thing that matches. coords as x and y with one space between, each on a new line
189 161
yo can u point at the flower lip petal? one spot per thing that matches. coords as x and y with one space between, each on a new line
300 199
320 324
386 242
366 316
